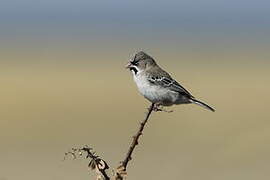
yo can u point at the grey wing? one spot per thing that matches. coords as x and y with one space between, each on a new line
168 82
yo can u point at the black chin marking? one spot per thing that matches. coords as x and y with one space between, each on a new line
133 69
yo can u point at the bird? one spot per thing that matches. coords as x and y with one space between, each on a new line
157 86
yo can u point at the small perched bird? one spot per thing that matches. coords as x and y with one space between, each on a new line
157 85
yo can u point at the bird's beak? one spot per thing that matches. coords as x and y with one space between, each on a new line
129 65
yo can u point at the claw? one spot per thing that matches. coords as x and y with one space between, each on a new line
158 107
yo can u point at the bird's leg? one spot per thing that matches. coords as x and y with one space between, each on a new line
167 111
158 107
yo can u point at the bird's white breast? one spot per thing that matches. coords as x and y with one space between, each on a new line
152 92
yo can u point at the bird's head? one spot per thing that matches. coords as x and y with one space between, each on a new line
140 62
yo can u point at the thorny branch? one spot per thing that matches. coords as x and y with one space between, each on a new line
121 170
136 137
96 163
100 165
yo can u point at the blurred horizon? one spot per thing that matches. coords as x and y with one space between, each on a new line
64 85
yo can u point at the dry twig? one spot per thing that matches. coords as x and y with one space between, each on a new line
101 166
122 168
96 163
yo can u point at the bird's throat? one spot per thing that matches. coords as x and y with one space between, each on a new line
135 70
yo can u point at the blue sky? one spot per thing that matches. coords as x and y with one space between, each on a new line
212 11
213 24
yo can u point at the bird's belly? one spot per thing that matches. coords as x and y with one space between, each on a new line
157 94
160 95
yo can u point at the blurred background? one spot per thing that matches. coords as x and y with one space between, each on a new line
63 85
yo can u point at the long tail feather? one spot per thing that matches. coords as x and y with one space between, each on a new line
194 101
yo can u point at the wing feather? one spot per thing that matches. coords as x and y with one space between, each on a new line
168 82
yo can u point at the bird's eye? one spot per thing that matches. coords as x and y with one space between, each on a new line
135 63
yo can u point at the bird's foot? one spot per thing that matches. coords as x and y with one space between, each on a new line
158 107
167 111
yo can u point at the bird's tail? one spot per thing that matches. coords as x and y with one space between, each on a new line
194 101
